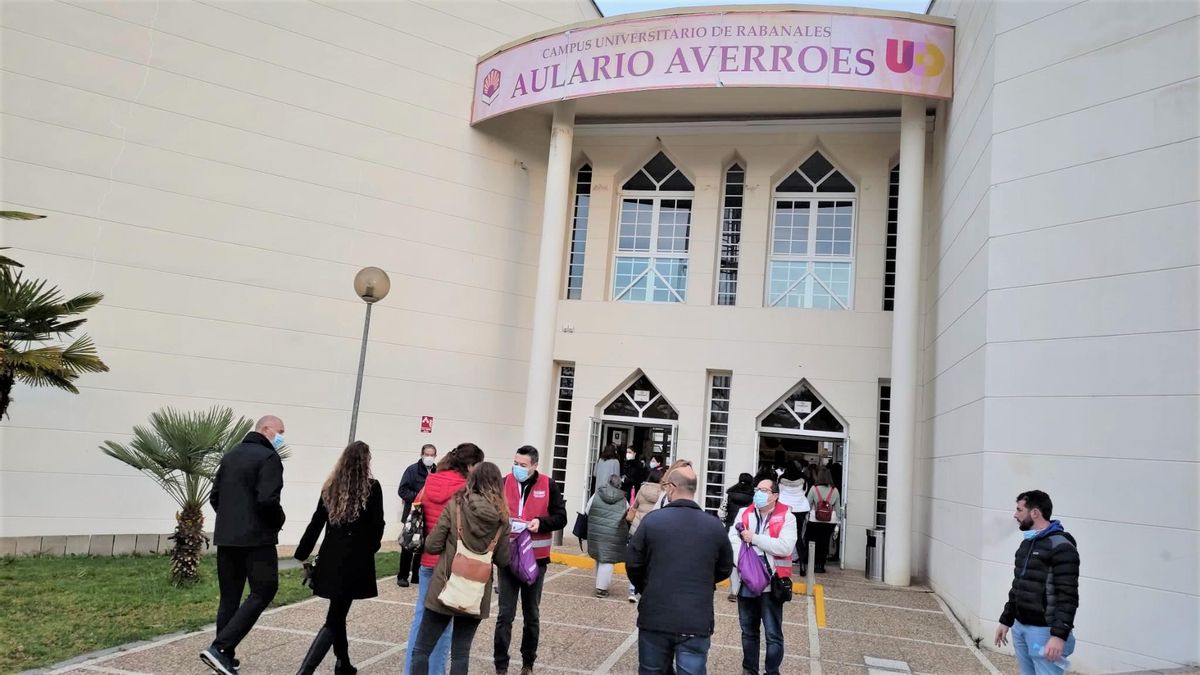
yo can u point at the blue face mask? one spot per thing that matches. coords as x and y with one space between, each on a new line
1029 534
520 473
760 499
277 442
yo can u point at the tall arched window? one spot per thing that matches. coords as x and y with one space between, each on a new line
812 242
651 259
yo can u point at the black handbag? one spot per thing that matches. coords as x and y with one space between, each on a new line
581 528
310 570
781 588
412 535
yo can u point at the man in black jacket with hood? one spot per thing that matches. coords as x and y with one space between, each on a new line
1045 590
245 495
675 560
410 486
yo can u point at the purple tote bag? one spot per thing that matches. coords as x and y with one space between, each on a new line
521 560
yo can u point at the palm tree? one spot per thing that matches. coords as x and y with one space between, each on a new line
5 261
181 452
32 314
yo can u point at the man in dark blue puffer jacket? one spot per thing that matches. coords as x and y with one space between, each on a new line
1045 590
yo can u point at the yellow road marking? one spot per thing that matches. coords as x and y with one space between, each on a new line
819 597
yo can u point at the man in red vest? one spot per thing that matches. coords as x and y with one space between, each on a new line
770 529
534 503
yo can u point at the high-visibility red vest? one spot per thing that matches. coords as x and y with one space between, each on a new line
775 523
536 505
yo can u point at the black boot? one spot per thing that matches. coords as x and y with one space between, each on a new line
316 652
344 668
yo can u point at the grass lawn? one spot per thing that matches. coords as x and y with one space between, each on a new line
52 609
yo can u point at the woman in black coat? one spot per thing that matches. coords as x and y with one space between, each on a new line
350 511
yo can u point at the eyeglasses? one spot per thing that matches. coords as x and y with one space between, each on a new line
764 490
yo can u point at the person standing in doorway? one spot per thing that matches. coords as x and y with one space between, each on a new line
440 488
606 466
245 496
608 531
675 559
350 511
823 516
476 519
633 472
534 504
410 486
1044 595
793 491
770 528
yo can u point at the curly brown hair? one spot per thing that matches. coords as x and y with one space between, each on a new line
348 487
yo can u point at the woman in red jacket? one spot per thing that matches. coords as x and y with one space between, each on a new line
440 488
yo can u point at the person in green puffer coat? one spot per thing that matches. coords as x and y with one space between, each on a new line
608 531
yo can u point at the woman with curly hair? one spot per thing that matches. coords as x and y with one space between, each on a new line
350 511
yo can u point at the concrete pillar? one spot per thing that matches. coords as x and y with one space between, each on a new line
897 570
540 386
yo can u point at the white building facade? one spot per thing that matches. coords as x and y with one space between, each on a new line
712 273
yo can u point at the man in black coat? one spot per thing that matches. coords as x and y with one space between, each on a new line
675 559
245 496
1045 590
410 486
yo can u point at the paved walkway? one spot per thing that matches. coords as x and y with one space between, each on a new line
870 629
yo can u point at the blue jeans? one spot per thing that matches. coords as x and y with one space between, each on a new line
768 612
1029 641
441 651
656 650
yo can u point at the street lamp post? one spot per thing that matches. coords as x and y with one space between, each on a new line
372 285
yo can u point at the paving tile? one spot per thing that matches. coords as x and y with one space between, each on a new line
78 544
891 622
261 652
28 545
382 622
101 544
721 660
850 648
56 546
123 544
883 596
1003 662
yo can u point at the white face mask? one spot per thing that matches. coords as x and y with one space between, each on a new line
428 461
654 464
629 455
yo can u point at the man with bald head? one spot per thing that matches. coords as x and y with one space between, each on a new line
245 496
675 560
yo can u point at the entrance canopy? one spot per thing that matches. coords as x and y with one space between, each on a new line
713 48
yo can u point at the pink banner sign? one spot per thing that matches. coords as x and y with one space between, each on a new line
727 49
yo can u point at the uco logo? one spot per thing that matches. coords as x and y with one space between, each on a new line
922 58
491 86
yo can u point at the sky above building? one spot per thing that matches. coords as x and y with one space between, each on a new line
614 7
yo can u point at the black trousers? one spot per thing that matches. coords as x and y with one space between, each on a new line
433 624
335 621
531 599
820 533
235 566
410 566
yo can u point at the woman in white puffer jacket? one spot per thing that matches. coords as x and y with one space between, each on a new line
793 490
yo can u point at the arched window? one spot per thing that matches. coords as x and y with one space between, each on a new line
652 235
812 242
